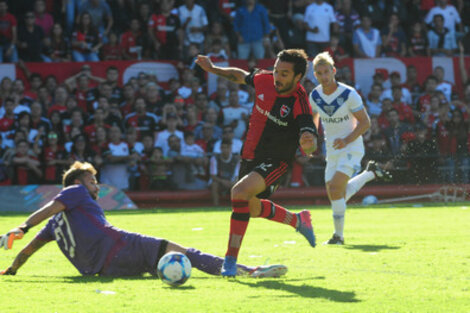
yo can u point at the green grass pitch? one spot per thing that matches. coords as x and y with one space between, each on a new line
399 258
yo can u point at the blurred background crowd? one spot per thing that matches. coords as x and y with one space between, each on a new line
141 135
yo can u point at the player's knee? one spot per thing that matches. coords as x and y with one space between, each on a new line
240 192
335 191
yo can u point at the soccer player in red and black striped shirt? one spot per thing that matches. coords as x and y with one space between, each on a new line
281 120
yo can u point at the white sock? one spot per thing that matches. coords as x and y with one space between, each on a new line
339 209
357 182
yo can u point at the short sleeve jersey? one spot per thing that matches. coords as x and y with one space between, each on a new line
82 232
336 115
276 120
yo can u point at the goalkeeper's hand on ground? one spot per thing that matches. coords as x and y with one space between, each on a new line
6 240
8 271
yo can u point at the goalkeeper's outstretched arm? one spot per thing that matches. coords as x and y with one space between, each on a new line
33 246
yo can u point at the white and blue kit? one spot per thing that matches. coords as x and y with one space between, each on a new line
336 115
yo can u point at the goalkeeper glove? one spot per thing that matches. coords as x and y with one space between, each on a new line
7 240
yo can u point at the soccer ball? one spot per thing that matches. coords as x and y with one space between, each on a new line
370 199
174 268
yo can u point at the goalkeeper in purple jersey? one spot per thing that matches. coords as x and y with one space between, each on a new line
78 225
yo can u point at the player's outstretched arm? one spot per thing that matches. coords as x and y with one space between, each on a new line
51 208
234 74
23 256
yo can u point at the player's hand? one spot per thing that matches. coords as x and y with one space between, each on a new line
8 271
308 142
204 62
6 241
339 143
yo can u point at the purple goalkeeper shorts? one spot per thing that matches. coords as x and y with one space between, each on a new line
139 255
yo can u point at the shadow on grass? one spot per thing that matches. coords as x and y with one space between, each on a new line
304 290
371 248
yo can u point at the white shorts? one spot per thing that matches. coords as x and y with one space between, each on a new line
347 162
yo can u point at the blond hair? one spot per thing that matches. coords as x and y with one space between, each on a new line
76 171
323 58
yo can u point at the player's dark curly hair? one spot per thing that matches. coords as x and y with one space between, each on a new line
76 171
298 57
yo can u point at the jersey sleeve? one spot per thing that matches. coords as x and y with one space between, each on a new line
312 103
355 102
47 232
250 78
71 197
303 113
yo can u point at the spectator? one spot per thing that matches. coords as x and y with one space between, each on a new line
404 110
335 50
23 123
117 157
81 151
6 86
412 83
55 160
273 43
279 13
38 121
4 165
228 134
18 92
60 100
318 18
196 155
57 126
424 100
219 99
100 14
394 133
347 21
136 149
8 117
8 35
441 40
165 33
43 19
216 50
162 137
112 49
128 99
366 40
210 118
132 42
158 170
194 23
449 14
235 116
76 121
251 24
373 102
443 85
30 38
86 41
26 166
296 33
418 44
224 168
144 122
217 35
98 120
395 81
182 176
393 38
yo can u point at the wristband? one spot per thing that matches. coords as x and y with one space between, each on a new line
25 227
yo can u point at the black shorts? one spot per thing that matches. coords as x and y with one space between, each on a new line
273 172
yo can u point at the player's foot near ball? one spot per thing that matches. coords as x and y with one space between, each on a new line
265 271
334 240
379 173
229 268
305 227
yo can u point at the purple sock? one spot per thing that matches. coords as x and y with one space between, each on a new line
209 263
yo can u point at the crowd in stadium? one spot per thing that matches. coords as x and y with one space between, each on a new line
142 136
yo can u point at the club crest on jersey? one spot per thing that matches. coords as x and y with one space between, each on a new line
285 110
329 109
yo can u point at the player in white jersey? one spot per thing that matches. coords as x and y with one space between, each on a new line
344 119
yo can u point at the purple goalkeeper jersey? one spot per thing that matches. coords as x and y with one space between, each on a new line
82 232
